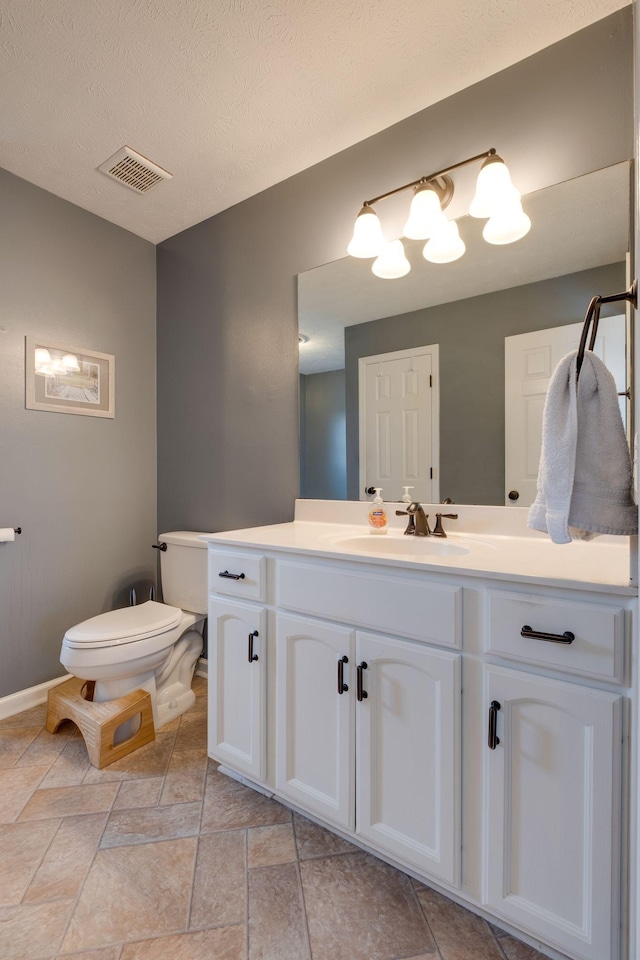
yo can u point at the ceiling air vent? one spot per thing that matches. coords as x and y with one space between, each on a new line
134 170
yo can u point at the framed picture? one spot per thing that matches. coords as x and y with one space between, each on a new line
64 379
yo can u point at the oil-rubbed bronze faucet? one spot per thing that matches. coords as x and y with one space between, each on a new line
439 529
418 521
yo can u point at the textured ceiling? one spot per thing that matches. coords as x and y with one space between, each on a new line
233 96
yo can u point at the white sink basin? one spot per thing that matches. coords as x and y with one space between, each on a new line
401 546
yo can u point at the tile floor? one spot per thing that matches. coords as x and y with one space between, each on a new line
161 857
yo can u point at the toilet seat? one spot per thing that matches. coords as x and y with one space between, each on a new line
125 626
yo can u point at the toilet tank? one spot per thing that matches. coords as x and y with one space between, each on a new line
183 569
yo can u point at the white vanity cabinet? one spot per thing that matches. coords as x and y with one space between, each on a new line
371 708
552 813
382 713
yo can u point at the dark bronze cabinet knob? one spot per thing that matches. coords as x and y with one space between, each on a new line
514 495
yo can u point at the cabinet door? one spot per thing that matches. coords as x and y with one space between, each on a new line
314 723
408 753
552 816
237 675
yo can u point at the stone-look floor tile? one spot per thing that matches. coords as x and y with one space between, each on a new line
361 908
71 767
277 929
46 748
192 735
34 717
151 760
134 893
134 794
22 847
33 931
198 710
460 934
268 846
67 861
16 787
225 943
69 801
185 777
516 950
220 885
313 840
110 953
14 742
126 827
229 805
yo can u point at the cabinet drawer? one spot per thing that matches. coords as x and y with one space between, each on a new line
597 650
407 608
241 575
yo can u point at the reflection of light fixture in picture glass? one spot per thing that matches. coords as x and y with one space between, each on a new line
392 263
42 360
70 363
507 225
368 239
494 189
446 246
426 217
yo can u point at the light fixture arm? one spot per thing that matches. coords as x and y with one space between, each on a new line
432 176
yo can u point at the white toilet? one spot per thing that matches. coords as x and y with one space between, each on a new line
152 646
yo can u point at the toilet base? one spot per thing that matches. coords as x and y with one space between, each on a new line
98 722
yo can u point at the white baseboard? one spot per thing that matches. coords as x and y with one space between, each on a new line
202 668
25 699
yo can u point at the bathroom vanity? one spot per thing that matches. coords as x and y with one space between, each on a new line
460 707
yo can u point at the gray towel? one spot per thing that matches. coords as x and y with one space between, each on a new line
585 478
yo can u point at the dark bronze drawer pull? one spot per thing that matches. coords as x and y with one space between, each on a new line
231 576
342 686
251 655
494 739
566 637
361 693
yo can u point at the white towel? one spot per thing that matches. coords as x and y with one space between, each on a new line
585 477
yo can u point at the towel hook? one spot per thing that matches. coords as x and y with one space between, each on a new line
592 318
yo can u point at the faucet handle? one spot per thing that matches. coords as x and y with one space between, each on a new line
439 529
411 526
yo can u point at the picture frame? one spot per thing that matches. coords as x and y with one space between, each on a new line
63 379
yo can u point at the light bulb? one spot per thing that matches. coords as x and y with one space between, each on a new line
507 225
425 215
368 239
392 263
42 359
70 362
446 246
494 188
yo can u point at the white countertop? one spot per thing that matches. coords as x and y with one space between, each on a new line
599 566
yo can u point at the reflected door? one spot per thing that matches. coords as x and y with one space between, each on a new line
529 361
398 423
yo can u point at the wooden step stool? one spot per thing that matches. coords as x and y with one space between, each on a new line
97 722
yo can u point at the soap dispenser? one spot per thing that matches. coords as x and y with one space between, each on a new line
378 519
406 496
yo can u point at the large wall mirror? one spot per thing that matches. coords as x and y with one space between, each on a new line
494 322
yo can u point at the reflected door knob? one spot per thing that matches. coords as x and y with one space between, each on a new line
514 495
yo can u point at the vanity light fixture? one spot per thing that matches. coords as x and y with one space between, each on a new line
496 200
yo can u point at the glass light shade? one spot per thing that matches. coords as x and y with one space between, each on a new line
446 246
57 366
494 189
507 225
42 359
70 362
392 263
368 239
425 215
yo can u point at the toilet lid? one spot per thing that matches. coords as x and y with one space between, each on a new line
125 625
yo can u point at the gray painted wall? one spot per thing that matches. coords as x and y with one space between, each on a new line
470 334
227 352
323 445
82 488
